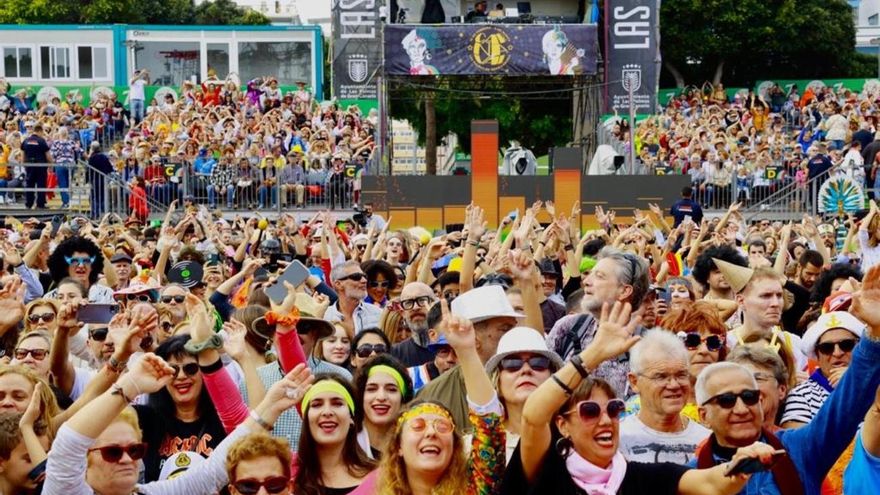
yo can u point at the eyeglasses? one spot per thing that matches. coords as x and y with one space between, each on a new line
367 350
355 277
275 484
827 348
383 284
589 410
536 363
38 354
727 400
81 260
167 326
36 317
692 340
420 301
763 377
177 299
680 377
189 369
139 297
114 453
440 425
98 334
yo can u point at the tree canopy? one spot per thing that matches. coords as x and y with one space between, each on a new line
743 41
222 12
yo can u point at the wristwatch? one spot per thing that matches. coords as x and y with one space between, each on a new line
215 342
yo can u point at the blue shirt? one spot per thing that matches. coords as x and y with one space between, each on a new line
815 447
204 165
862 475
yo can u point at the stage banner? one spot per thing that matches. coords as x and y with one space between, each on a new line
486 49
632 54
357 49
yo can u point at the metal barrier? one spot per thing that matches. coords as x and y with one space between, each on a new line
791 201
26 186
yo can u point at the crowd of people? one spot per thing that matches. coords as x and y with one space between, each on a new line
745 147
323 357
219 143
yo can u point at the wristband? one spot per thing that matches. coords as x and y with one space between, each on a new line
288 320
473 243
116 389
578 364
215 342
115 365
569 247
260 421
565 388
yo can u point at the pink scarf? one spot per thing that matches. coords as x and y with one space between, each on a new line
593 479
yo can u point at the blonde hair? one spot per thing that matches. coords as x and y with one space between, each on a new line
254 446
392 469
389 322
41 334
48 404
36 303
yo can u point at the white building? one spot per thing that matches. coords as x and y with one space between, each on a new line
866 15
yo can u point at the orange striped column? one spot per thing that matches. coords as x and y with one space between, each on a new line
566 179
484 167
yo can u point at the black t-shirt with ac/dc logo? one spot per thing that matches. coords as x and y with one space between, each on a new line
166 436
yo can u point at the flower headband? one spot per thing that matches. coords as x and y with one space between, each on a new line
423 408
393 373
327 386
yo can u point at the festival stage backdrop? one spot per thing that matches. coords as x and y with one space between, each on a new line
487 49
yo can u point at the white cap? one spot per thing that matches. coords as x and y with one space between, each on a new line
522 339
830 321
483 303
178 463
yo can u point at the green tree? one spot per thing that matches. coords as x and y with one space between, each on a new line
227 12
741 41
167 11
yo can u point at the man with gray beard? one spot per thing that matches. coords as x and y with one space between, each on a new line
350 310
416 300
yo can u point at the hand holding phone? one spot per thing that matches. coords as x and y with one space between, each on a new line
296 273
752 465
97 313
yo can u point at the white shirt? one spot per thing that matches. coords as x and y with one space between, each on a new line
136 90
640 443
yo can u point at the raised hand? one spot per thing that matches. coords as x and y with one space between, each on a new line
614 335
476 225
866 300
520 265
459 331
67 318
34 408
11 254
149 374
550 207
200 326
289 391
235 344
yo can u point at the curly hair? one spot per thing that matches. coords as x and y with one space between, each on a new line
822 287
363 374
374 267
254 446
697 317
308 462
58 267
392 469
704 265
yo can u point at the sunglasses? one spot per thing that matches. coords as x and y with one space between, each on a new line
36 317
167 326
827 348
589 410
356 277
99 334
114 453
275 484
81 261
367 350
728 400
440 425
38 354
420 301
693 340
139 297
536 363
189 369
177 299
383 284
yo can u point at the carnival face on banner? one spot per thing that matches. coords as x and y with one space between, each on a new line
464 49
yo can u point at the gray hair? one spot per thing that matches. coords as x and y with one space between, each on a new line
702 395
632 271
657 343
760 357
338 271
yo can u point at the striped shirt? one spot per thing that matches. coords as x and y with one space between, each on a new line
805 400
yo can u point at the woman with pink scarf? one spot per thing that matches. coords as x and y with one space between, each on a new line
581 455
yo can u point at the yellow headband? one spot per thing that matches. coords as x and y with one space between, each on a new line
327 386
393 373
424 408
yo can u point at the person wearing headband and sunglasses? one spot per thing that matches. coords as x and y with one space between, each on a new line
583 456
382 388
830 341
426 453
350 284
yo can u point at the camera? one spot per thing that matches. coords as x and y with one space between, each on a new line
360 216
